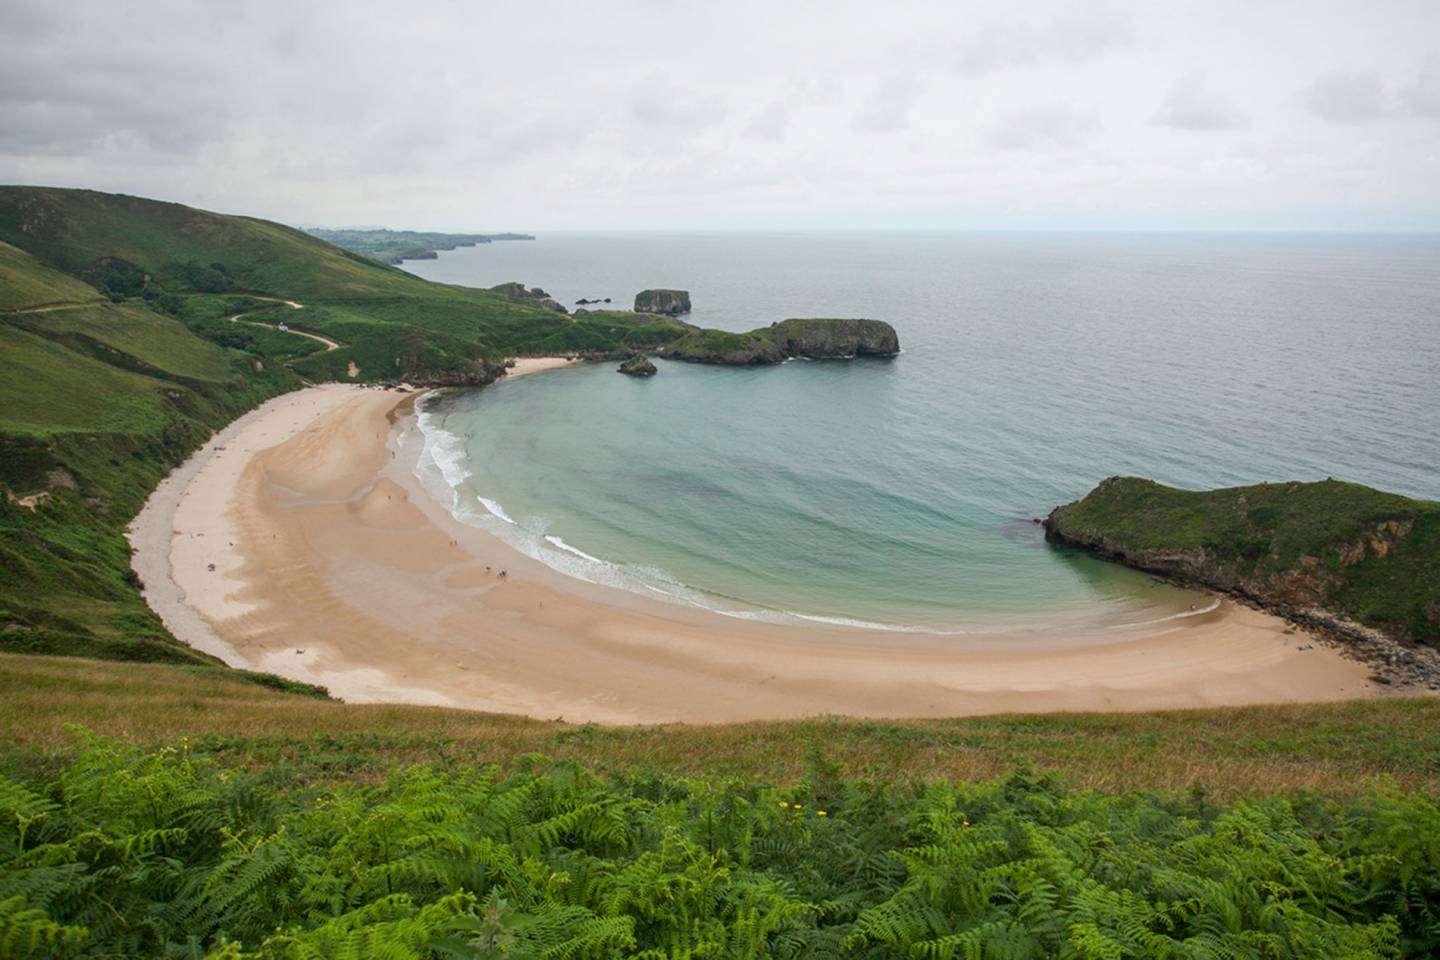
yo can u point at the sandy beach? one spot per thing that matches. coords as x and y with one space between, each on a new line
299 541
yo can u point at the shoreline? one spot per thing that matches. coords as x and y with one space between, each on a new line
333 565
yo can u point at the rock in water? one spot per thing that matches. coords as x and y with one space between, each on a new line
637 366
670 303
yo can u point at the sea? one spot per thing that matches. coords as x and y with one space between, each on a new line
901 493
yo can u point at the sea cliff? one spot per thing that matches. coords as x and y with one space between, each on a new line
1360 564
816 339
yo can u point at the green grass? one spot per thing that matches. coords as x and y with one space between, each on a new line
1371 556
26 282
1340 749
50 389
162 345
120 851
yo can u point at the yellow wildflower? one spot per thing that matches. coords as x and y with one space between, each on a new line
783 804
820 813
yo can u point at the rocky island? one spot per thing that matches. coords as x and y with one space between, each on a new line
1359 564
637 366
814 339
669 303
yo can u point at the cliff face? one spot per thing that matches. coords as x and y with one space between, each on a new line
670 303
809 338
835 338
1335 555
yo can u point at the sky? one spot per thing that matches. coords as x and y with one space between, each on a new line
490 115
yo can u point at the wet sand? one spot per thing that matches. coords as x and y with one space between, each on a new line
300 542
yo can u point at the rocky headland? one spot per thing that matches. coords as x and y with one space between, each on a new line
534 296
813 339
1355 564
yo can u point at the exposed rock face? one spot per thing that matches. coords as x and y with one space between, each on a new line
1321 555
670 303
534 296
813 339
818 339
637 366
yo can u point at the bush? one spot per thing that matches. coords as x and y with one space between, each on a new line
129 853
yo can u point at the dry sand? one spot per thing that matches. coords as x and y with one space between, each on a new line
300 542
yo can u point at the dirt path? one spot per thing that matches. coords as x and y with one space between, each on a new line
52 307
328 343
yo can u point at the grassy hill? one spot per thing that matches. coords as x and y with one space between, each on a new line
1369 556
120 358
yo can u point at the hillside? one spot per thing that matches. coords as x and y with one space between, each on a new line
121 357
1352 551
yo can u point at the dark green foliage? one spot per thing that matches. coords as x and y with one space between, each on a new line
1368 555
115 278
123 853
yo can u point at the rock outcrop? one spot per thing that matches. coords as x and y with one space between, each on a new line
637 366
1356 564
811 339
669 303
535 296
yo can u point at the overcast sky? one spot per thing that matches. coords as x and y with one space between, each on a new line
535 115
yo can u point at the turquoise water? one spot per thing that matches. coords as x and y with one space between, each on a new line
900 491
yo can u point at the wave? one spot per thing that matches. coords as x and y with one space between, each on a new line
556 541
497 510
444 450
1211 608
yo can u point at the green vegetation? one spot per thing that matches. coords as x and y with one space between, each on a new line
393 246
1369 556
121 358
124 852
26 282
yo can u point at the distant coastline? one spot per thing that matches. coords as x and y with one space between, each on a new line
396 246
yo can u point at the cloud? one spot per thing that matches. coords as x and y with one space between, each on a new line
1189 106
887 108
1422 98
1002 45
1046 127
770 123
648 113
659 100
1346 98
